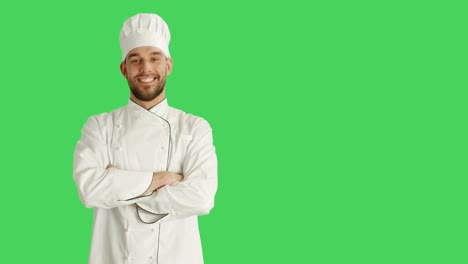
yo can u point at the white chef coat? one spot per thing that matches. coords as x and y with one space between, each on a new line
160 228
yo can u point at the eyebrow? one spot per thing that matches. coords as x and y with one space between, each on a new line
132 55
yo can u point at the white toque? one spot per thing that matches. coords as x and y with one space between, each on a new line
144 30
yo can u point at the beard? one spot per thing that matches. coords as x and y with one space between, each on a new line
147 92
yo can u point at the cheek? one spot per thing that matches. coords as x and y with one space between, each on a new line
129 73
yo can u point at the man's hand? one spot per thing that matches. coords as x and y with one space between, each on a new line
161 179
167 178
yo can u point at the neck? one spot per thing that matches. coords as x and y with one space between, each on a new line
148 104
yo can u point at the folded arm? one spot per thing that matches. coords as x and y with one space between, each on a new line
100 185
195 194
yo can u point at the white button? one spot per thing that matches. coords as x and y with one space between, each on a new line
151 257
162 148
164 125
117 148
119 126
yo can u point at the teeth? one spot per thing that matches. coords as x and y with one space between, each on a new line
149 79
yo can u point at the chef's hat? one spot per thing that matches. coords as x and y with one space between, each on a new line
144 30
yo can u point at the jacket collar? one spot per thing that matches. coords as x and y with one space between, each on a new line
160 109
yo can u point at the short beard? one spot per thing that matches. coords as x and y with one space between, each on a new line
147 97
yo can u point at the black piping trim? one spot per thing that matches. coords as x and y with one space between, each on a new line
169 148
138 208
170 130
138 197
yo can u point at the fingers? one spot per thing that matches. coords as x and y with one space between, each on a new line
176 176
179 177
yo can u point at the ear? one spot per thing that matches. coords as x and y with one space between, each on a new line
169 65
123 69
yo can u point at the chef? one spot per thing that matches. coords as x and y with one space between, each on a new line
147 169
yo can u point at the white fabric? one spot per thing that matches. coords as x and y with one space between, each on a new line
139 142
144 30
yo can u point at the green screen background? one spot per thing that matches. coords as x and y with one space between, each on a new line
340 126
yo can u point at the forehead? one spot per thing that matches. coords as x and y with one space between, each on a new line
145 51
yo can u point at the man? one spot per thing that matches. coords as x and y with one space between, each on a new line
147 169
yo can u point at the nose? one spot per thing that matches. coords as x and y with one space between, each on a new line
145 67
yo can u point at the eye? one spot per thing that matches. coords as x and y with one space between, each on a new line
154 59
134 60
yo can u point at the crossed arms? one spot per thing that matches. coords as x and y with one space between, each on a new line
102 185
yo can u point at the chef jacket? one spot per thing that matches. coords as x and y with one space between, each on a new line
159 228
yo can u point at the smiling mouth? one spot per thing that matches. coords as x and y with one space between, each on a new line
146 79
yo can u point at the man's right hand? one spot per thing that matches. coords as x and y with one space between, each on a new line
161 179
167 178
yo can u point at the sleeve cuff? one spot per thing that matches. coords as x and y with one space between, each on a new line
129 185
